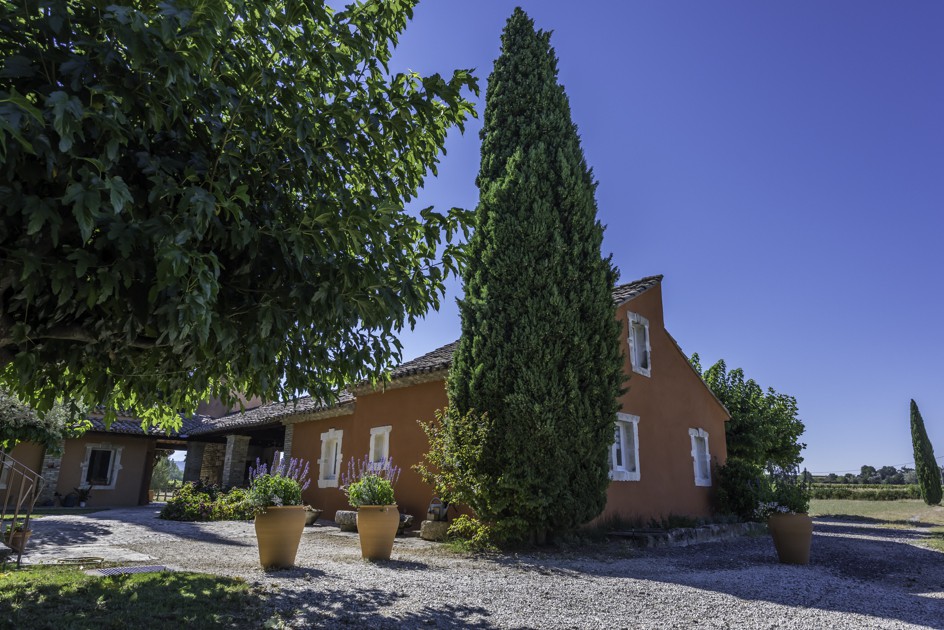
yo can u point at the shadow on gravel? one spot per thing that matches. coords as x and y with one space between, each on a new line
844 529
48 532
882 578
90 527
363 608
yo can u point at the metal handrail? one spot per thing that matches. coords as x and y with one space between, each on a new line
20 487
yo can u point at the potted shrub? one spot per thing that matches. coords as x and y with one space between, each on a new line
787 520
369 489
17 536
82 495
275 498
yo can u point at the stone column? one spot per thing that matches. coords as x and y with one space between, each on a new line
287 443
234 463
49 471
194 462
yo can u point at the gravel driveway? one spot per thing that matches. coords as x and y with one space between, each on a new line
861 576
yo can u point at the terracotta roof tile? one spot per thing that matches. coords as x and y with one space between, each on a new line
270 413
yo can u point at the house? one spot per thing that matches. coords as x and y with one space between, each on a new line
667 436
116 461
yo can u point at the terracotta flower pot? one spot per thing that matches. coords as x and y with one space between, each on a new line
278 532
377 527
17 540
793 537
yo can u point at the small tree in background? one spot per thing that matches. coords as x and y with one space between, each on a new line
538 364
928 472
165 472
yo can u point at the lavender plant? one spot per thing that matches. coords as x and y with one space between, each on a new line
282 485
370 483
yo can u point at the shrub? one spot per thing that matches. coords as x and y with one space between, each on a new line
205 502
742 485
194 501
476 535
866 493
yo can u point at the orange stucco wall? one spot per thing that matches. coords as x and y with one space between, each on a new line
399 408
669 403
128 486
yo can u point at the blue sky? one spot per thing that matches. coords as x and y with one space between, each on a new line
782 164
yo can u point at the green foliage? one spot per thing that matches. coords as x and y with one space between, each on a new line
473 534
370 490
203 502
207 197
274 491
538 363
764 428
456 453
164 472
370 483
866 492
741 486
20 423
926 467
791 492
58 597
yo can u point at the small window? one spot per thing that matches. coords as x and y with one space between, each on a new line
624 454
701 457
380 446
639 347
101 466
329 466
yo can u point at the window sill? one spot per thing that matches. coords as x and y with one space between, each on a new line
704 483
327 483
642 371
624 476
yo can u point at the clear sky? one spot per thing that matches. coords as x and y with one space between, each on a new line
781 163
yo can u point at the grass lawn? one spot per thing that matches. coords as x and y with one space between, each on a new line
41 512
904 513
60 598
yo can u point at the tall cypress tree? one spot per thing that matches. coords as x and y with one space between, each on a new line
539 354
926 468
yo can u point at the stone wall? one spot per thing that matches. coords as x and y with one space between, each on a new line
211 469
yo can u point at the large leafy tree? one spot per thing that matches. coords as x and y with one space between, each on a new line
538 363
204 197
19 423
926 467
763 433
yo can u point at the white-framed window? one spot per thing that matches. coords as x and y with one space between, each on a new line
640 351
624 453
379 446
701 457
329 466
101 466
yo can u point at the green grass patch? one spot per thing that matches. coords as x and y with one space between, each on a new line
65 598
891 513
41 512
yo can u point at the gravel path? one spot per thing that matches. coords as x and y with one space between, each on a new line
861 576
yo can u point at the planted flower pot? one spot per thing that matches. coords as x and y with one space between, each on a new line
793 537
278 532
16 540
377 527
